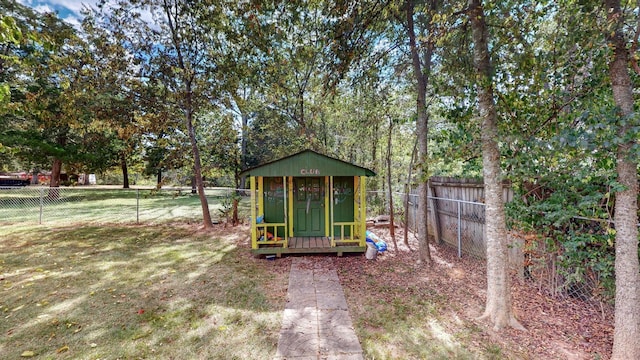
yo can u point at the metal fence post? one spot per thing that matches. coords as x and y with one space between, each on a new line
41 205
137 206
459 231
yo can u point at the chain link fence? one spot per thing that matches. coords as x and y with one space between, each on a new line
542 261
44 205
459 224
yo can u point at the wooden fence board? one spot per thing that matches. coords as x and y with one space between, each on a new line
443 222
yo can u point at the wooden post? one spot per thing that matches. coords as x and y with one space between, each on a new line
284 204
356 206
254 235
261 197
290 189
329 214
363 211
435 217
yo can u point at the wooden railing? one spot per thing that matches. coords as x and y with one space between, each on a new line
352 226
263 233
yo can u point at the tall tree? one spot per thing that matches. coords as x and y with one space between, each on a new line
421 59
498 306
114 88
189 41
627 300
184 51
42 129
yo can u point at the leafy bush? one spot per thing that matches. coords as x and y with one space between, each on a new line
571 218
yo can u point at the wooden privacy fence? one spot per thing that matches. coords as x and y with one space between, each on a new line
458 219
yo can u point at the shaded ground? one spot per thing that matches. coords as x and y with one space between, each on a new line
453 293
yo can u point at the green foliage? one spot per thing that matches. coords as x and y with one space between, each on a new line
228 204
557 208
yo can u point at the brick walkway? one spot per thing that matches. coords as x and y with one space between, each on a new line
316 323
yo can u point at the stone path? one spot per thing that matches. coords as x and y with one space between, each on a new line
316 323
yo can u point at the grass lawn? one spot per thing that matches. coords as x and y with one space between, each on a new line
35 205
162 291
174 291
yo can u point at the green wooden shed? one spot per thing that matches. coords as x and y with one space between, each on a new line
308 203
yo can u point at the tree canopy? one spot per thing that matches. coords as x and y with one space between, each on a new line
205 89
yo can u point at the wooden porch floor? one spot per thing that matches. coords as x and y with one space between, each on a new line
309 242
310 245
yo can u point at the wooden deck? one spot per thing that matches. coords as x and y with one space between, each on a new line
309 242
309 245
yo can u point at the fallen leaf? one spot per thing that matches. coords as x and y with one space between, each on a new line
141 311
62 349
28 354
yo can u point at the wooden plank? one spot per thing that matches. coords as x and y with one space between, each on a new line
279 250
435 219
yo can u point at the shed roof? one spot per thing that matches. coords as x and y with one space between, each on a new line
308 163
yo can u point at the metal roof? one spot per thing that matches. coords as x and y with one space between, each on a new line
308 163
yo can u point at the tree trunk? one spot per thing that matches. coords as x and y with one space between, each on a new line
407 192
498 307
243 148
373 183
54 184
188 107
234 217
125 170
422 129
56 170
197 167
392 228
627 301
34 176
159 178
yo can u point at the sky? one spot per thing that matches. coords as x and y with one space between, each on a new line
68 10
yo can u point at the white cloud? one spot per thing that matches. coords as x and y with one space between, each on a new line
68 10
43 8
73 21
72 6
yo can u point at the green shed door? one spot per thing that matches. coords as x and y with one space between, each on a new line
308 206
342 202
274 202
